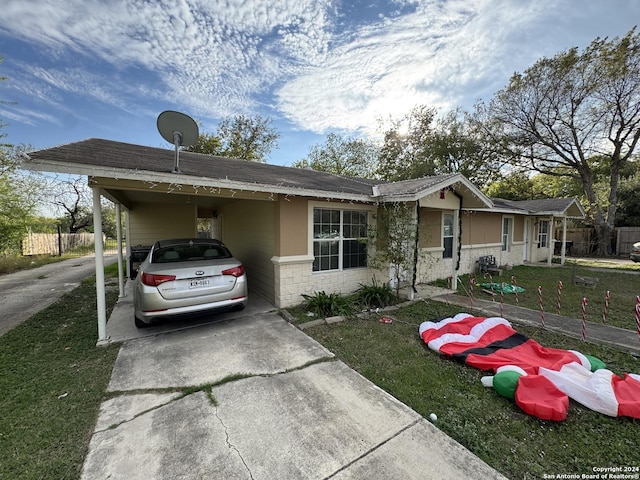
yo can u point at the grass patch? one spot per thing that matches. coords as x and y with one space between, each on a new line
52 379
622 285
520 446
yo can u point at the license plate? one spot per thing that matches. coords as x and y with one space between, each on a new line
199 283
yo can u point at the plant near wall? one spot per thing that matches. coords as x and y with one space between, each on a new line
376 295
393 243
328 304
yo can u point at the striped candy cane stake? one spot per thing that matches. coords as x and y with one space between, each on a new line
584 318
502 299
540 302
472 282
448 288
559 295
607 297
493 299
638 314
515 290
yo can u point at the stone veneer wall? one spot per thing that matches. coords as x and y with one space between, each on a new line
294 277
432 266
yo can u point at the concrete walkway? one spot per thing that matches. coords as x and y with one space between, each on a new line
253 397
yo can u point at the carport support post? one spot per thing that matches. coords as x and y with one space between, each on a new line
100 290
119 236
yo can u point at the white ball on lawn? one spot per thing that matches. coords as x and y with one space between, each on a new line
433 417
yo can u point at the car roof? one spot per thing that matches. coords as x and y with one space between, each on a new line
184 241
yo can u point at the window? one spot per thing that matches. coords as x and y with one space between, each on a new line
447 235
337 239
507 227
543 233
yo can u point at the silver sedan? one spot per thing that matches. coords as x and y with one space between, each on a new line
186 276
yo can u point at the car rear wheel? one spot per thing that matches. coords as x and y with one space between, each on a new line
139 323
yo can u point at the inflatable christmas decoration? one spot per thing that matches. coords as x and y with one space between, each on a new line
540 380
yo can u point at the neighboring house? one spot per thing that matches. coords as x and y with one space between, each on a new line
299 231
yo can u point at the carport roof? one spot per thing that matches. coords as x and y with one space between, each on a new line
563 207
111 159
108 158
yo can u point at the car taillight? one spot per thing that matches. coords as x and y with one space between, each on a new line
235 271
154 280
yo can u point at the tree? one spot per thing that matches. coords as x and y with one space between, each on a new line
420 144
514 186
72 197
628 215
17 194
206 143
245 138
571 115
403 154
351 157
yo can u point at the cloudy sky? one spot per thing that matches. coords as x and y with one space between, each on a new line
78 69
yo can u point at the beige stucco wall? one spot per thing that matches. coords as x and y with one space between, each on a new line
150 222
481 227
518 228
291 226
248 229
430 228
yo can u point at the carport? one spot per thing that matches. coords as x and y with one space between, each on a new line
158 203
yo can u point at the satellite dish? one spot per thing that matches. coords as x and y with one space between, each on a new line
178 129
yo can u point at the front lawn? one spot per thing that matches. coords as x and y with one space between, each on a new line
52 381
394 357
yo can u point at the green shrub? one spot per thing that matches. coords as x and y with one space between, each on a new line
376 295
328 305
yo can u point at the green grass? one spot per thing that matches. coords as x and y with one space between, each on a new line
52 381
623 285
520 446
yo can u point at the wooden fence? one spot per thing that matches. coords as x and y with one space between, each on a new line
584 240
54 243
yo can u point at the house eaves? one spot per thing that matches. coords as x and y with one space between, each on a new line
415 189
556 207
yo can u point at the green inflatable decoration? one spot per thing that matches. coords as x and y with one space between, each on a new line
504 287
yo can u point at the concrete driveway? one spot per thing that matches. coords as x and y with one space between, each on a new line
253 397
26 292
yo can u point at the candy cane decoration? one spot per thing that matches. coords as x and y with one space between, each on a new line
540 302
472 281
448 288
584 318
559 295
638 314
606 307
515 290
502 299
491 282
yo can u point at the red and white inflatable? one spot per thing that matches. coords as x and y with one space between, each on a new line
541 380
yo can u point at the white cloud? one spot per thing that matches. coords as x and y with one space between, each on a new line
221 57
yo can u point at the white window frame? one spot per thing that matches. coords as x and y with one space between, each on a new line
507 237
543 237
451 236
339 238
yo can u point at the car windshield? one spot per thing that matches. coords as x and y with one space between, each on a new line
189 252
